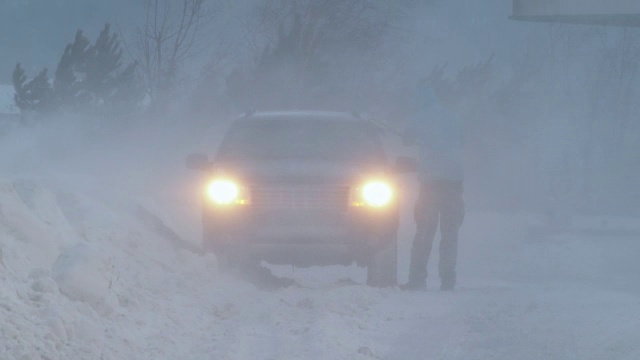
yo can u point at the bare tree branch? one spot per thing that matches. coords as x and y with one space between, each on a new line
169 36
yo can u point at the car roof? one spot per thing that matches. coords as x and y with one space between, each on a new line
303 116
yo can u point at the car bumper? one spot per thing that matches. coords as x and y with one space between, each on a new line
302 237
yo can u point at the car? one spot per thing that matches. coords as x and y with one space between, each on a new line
303 189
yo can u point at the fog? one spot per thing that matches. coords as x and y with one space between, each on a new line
101 252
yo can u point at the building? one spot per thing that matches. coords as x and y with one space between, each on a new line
589 12
8 109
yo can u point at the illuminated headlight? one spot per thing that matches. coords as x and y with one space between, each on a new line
225 192
375 194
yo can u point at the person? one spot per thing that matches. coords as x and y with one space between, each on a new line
437 133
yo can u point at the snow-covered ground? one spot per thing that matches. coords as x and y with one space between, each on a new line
107 267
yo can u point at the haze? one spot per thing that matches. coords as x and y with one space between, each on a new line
100 221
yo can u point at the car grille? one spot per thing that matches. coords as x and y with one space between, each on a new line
300 197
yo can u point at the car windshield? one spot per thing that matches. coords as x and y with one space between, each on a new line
277 139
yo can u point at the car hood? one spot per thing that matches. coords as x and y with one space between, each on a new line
297 171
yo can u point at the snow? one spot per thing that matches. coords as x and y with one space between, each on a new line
108 267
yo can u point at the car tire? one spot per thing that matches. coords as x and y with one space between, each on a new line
231 258
382 270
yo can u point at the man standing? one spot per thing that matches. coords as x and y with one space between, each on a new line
437 132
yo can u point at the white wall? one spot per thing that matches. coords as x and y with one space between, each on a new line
7 103
575 7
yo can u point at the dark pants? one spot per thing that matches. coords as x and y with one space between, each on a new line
438 202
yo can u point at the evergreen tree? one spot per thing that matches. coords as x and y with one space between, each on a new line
289 65
89 79
314 55
113 88
35 95
68 77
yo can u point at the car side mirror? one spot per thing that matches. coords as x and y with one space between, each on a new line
405 165
198 161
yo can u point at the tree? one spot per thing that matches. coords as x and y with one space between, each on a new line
312 52
172 33
89 79
93 76
284 65
35 95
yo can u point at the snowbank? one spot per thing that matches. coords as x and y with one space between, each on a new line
84 273
33 227
71 270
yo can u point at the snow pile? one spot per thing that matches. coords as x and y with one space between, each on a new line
36 226
33 234
40 243
84 273
72 269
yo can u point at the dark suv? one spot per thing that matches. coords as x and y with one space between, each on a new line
305 189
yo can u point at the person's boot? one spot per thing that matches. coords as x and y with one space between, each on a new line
414 285
447 284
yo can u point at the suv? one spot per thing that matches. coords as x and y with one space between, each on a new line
304 189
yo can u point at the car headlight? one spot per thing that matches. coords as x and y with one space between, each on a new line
374 194
226 192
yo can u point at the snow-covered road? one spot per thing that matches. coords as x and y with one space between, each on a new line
83 277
